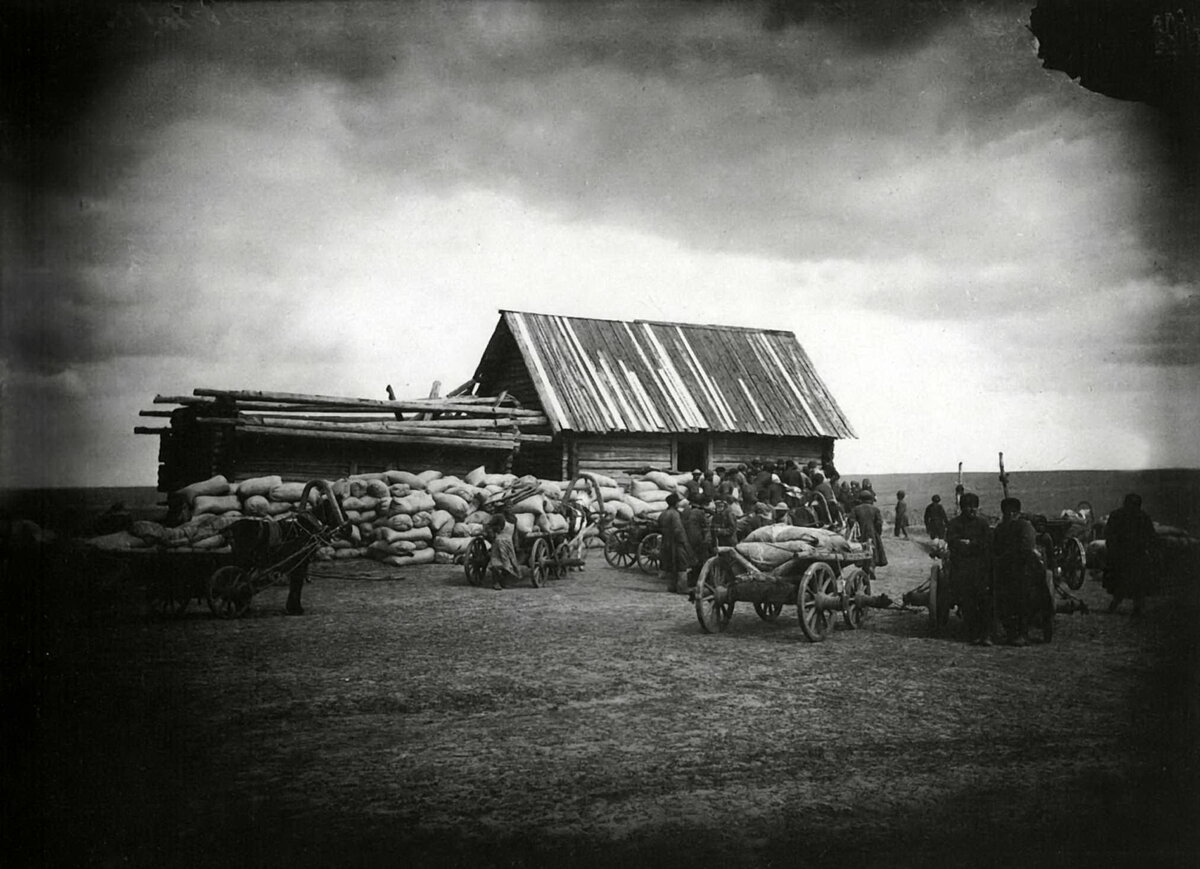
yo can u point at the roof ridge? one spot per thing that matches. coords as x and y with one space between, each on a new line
715 326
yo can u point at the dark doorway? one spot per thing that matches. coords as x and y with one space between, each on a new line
691 454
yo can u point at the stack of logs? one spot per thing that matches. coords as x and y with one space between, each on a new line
205 429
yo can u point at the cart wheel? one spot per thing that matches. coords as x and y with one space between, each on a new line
1072 561
475 563
229 592
814 600
768 612
858 581
712 587
617 550
539 560
647 553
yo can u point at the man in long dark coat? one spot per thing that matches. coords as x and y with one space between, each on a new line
1129 538
674 555
870 525
1016 567
970 541
935 519
697 524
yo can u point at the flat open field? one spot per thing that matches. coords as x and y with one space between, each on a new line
409 719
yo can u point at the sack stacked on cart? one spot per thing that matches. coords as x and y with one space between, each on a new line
203 533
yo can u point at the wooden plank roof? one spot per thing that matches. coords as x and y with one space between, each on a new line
644 376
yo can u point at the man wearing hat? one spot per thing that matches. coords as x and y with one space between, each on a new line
935 519
1014 544
674 555
870 525
694 486
970 541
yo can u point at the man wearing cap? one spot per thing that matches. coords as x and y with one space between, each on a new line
870 525
697 525
935 519
708 486
693 486
674 555
1014 545
970 541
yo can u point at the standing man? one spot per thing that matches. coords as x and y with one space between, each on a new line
935 519
1129 538
708 486
674 556
970 541
901 528
693 486
697 523
1014 544
870 525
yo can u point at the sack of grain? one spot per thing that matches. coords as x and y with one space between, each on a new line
217 485
399 522
552 522
343 554
551 489
404 478
452 504
611 493
602 480
466 529
663 481
260 486
387 535
779 533
377 489
479 517
534 505
414 503
290 492
361 504
638 487
426 477
655 496
421 519
369 476
470 494
441 484
773 554
475 477
452 545
500 480
216 541
150 533
621 510
441 521
638 506
399 490
524 522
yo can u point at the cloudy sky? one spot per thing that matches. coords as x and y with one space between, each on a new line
978 253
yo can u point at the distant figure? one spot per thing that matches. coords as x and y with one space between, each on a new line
693 487
697 525
901 529
1129 539
970 540
870 524
935 519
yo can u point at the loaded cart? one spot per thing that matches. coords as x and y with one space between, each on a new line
269 552
828 578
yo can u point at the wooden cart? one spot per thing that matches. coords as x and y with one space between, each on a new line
821 585
547 554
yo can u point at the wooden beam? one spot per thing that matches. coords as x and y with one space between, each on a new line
475 443
380 428
152 430
182 399
330 401
166 413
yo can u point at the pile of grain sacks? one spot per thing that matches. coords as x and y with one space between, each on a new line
396 517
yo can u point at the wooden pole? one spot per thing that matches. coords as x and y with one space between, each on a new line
419 406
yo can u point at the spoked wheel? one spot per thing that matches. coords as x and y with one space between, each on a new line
713 609
539 560
475 563
857 581
229 592
617 550
1072 562
816 600
768 612
647 553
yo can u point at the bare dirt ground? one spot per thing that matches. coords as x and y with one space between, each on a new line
409 719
